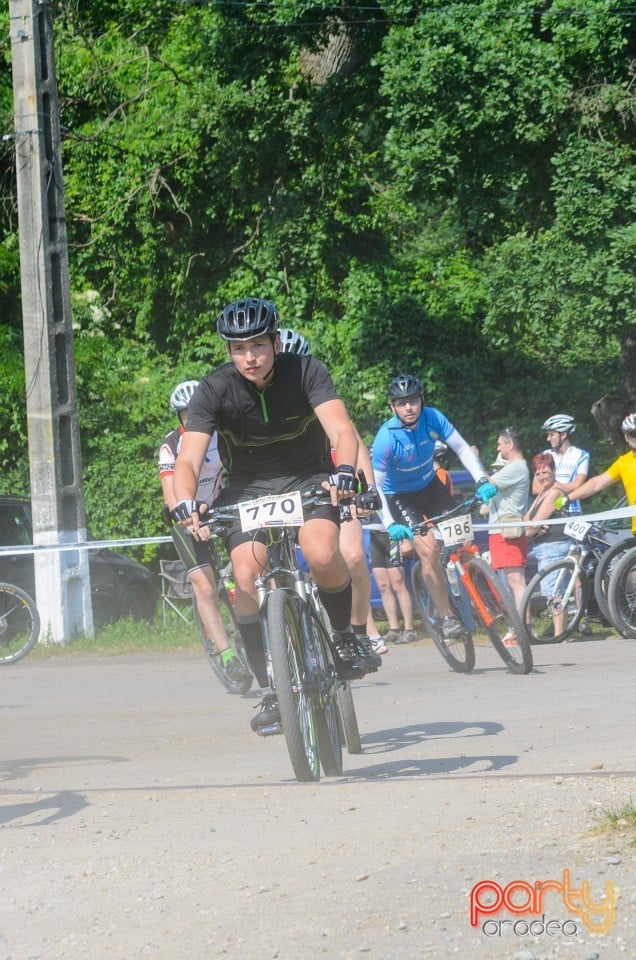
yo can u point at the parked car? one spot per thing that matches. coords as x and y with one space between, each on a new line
120 587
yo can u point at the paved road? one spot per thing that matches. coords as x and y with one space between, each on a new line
142 818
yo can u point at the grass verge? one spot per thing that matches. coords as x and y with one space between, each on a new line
621 822
126 637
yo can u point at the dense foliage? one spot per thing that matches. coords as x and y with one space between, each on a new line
454 196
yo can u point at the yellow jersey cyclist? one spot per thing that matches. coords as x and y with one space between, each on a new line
623 469
277 416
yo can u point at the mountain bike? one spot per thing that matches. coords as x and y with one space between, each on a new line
621 594
603 573
225 603
558 596
19 623
478 597
316 707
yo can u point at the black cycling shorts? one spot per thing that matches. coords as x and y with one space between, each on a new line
413 507
379 549
239 491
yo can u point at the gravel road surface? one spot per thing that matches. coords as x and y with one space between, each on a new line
141 817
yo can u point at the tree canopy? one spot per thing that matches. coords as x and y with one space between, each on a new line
446 189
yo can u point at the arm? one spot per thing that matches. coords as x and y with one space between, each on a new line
342 434
590 487
465 453
545 509
364 460
575 484
187 468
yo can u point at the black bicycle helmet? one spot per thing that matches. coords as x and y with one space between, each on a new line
245 319
404 386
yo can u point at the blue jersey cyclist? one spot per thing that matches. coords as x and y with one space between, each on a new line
405 474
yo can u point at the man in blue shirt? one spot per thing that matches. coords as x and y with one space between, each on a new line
403 464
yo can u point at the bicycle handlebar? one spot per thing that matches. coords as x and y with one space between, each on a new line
425 525
223 517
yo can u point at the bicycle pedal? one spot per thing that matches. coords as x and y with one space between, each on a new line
270 731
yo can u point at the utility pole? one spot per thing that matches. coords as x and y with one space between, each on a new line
57 498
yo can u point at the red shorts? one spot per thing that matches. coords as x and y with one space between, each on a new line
507 553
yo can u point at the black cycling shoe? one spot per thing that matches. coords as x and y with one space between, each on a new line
350 665
267 720
235 671
371 659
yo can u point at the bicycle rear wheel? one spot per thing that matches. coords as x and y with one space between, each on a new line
622 595
459 654
294 702
554 601
500 618
214 657
605 567
19 623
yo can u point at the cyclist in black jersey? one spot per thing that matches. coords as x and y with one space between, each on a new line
277 416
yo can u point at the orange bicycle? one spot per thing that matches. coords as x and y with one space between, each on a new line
477 594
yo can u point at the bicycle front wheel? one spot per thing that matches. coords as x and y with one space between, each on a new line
459 654
322 679
622 595
348 718
603 574
19 623
554 601
499 617
234 637
294 700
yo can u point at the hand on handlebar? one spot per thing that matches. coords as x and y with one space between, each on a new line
485 491
399 531
187 514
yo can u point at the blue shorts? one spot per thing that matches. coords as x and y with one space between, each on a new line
547 553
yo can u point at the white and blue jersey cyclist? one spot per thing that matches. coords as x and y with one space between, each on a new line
403 455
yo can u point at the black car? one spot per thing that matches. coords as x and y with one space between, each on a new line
120 587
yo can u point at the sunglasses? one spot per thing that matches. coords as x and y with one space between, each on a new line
630 433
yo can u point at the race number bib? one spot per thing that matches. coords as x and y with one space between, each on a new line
456 530
576 529
284 510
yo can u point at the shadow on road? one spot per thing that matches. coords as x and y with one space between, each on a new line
408 767
19 768
383 741
63 804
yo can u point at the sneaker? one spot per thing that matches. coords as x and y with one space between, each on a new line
236 671
350 665
392 636
371 659
379 645
407 636
267 720
452 628
510 639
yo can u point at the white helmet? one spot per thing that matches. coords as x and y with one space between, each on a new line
629 423
292 342
182 394
561 423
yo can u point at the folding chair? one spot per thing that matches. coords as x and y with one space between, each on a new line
176 591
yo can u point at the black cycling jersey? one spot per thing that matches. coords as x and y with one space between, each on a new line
266 433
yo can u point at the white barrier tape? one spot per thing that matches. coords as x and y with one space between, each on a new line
559 521
140 541
90 545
